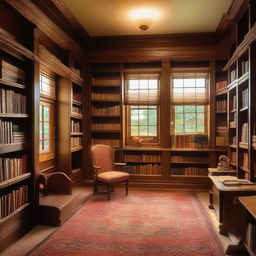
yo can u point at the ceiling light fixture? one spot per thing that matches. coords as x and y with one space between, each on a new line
144 17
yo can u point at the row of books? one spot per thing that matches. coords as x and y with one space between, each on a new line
106 111
193 159
76 109
9 133
232 124
105 96
183 141
12 102
233 157
244 134
142 158
112 142
12 201
149 169
221 105
254 141
250 238
105 82
221 140
233 102
105 126
75 126
245 160
232 75
244 66
12 73
220 85
76 142
245 98
12 167
193 171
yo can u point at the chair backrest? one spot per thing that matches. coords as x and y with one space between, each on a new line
102 156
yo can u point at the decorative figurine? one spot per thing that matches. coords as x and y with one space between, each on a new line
223 163
138 140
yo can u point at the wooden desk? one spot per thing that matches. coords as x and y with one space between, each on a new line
224 200
217 172
249 218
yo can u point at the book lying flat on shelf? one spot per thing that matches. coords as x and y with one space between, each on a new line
237 182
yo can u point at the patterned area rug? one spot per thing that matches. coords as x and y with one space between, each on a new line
146 223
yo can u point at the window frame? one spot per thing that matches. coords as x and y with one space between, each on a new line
206 105
49 101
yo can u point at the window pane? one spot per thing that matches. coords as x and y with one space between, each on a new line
178 109
189 109
190 118
179 119
143 130
179 128
190 128
133 84
200 128
200 109
143 117
46 145
177 82
46 113
41 130
189 82
134 117
200 82
41 145
143 84
40 113
153 84
152 131
134 130
200 118
152 117
46 130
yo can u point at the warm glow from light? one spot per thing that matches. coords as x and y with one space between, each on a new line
144 13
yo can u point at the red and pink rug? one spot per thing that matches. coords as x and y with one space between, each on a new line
146 223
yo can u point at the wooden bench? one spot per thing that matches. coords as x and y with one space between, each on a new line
59 201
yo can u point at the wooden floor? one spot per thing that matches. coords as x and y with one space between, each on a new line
40 233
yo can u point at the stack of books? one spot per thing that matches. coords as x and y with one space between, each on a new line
12 73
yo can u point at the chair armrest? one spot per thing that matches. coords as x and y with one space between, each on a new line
120 164
96 169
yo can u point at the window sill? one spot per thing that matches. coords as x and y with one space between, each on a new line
46 156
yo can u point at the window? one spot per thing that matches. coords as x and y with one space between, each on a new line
142 105
45 127
189 103
46 116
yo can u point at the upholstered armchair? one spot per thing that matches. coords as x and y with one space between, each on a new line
105 170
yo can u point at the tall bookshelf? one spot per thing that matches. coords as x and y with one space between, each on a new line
241 91
106 104
16 118
221 106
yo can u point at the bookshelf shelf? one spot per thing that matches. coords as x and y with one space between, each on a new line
110 116
104 131
221 92
221 112
18 211
15 180
78 103
244 169
243 145
232 111
77 149
244 109
142 162
13 115
243 78
232 85
106 86
76 134
105 101
233 146
188 162
12 84
76 115
12 147
234 164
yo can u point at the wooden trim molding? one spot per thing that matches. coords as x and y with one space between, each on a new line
229 17
29 10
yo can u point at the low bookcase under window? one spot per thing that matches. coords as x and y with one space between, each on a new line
189 163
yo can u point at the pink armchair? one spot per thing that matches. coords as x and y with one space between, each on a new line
105 168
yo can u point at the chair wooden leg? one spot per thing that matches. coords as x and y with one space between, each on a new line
95 187
109 190
126 187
